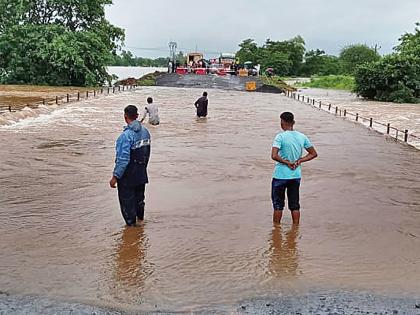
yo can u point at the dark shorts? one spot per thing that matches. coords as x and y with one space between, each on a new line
281 186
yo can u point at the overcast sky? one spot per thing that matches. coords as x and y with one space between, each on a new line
220 25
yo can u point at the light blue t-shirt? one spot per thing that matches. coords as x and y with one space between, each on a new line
290 145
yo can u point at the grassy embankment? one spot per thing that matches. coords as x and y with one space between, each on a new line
149 79
146 80
334 82
277 82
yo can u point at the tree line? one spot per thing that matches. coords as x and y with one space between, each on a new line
127 59
394 77
290 58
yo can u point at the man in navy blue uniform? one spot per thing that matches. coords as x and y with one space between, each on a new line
130 172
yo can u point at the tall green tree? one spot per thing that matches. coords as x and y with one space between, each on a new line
318 62
66 42
293 48
355 55
395 77
248 51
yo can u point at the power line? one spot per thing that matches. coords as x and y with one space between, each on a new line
148 48
205 51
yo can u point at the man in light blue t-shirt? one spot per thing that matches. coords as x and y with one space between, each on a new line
287 152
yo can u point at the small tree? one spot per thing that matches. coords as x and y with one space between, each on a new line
355 55
317 62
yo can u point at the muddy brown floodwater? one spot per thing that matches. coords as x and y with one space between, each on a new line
401 116
208 238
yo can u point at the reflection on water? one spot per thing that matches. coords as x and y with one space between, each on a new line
284 251
130 258
208 236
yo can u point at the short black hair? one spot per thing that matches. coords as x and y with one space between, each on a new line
287 117
131 112
149 100
205 94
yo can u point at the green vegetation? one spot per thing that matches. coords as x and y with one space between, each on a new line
336 82
355 55
126 59
396 77
288 58
285 57
277 82
149 79
318 62
56 42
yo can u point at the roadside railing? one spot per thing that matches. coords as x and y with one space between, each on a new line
70 97
384 128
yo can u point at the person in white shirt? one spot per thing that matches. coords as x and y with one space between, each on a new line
152 110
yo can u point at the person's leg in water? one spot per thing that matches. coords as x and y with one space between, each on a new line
278 189
277 215
127 199
139 191
293 199
295 216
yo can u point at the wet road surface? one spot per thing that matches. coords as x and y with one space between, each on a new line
208 238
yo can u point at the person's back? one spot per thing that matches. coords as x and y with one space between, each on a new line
153 111
201 105
292 144
287 151
130 171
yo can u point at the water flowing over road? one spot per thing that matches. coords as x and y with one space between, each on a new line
208 238
401 116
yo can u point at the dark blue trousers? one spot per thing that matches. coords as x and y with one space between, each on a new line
131 202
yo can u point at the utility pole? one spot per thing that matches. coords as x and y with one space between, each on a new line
172 54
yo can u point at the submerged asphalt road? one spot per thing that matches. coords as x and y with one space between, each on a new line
208 243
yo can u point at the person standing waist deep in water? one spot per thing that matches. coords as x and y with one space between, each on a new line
130 172
287 152
201 105
153 111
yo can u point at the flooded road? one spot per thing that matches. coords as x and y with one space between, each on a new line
22 96
401 116
208 239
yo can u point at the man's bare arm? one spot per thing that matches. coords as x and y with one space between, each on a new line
275 156
310 156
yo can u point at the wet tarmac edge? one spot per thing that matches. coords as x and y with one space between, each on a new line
325 303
